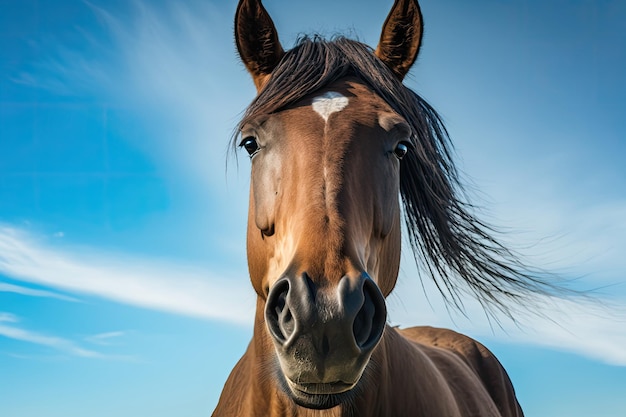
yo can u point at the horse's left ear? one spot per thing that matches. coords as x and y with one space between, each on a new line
401 37
257 40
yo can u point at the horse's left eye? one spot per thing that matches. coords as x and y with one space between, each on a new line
250 145
401 150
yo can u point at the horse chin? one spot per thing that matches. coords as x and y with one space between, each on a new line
318 401
319 396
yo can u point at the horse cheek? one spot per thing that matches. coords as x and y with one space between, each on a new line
264 192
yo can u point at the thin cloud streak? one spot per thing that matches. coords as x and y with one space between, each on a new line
140 282
105 339
8 318
16 289
57 343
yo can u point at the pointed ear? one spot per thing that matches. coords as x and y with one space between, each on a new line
257 40
401 37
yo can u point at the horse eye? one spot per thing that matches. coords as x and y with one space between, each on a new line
401 150
250 144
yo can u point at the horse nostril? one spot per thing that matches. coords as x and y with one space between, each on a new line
278 316
362 326
369 322
285 318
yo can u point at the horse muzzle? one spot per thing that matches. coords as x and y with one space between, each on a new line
324 337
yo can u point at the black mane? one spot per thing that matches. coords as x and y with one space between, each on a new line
450 244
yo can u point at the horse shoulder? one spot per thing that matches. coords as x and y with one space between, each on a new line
478 358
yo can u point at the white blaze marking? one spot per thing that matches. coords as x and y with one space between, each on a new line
329 103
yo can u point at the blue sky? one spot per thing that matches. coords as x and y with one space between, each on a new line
123 279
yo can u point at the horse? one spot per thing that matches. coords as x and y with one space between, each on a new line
341 150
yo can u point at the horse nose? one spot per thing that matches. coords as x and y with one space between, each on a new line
350 319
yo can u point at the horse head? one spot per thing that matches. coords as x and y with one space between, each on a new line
323 237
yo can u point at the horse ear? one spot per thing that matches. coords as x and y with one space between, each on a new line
257 40
401 37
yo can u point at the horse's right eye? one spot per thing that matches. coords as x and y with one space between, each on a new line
250 145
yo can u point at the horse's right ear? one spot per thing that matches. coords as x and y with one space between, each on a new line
257 40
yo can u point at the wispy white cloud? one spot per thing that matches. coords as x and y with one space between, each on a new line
583 234
165 66
142 282
583 328
17 289
10 328
105 339
8 318
579 327
586 327
57 343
